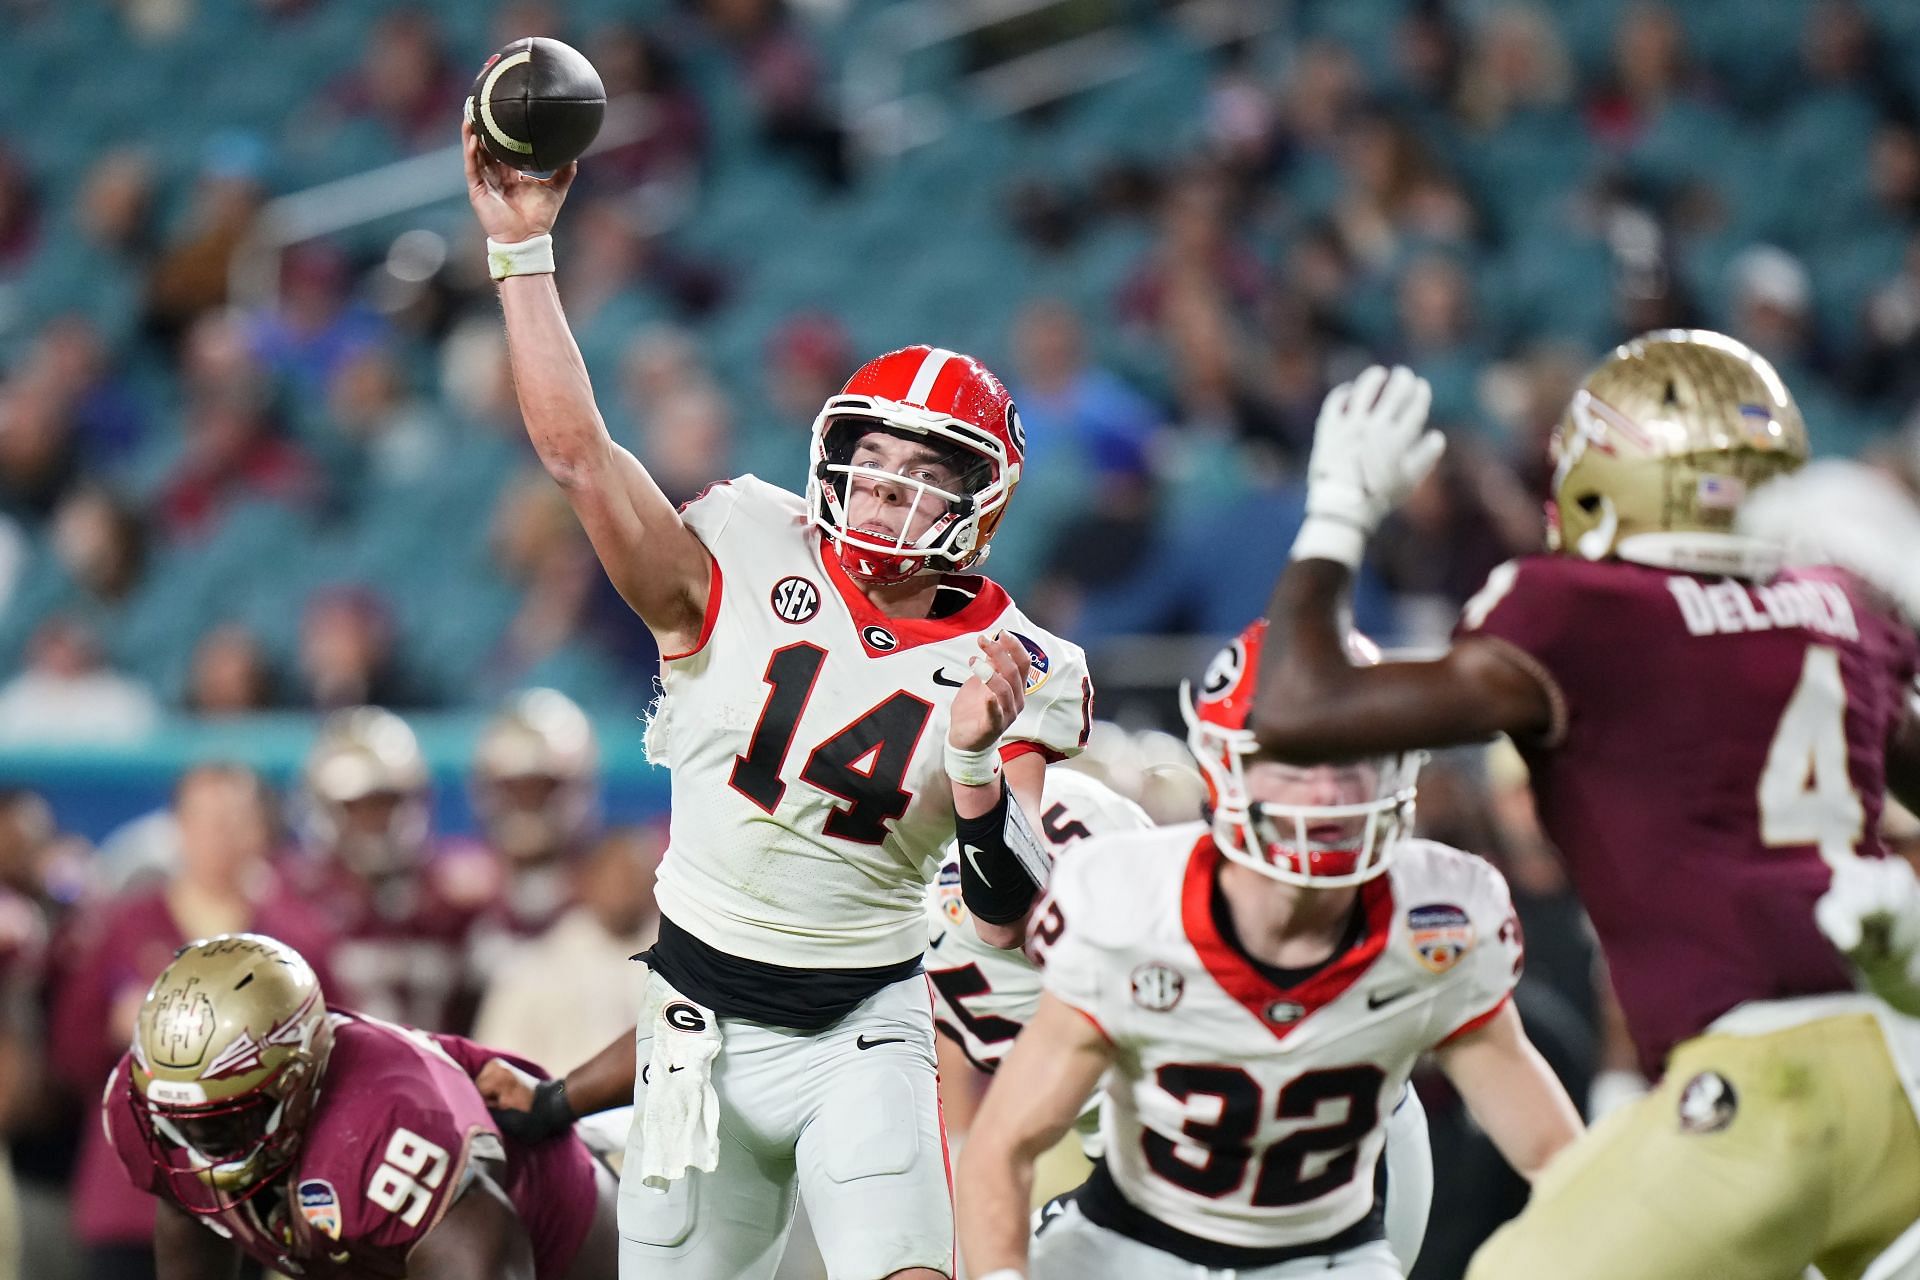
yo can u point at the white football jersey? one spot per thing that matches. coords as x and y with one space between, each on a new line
805 734
1239 1111
983 995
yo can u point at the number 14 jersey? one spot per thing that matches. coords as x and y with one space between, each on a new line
1239 1112
805 734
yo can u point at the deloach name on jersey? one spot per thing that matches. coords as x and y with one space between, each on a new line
1728 607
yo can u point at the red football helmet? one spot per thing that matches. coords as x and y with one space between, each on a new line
1324 825
939 397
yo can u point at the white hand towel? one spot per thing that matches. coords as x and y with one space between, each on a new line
680 1125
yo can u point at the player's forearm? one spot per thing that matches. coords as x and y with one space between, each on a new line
605 1080
1512 1094
550 378
993 1192
1304 667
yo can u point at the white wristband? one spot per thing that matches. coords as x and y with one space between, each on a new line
529 257
1326 538
1005 1273
973 768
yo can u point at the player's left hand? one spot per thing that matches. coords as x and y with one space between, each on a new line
1871 912
1371 446
993 695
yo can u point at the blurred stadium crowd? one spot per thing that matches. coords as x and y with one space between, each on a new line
223 493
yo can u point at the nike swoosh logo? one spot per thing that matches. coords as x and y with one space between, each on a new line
861 1042
671 1070
940 677
1377 1000
973 856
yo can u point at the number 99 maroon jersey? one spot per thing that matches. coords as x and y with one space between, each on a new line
1714 743
397 1134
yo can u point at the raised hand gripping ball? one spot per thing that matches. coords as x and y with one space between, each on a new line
537 104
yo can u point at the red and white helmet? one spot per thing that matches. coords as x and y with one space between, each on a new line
1345 841
931 394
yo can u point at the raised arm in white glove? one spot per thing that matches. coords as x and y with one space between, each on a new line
1871 912
1370 448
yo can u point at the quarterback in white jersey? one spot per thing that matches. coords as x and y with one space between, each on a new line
1255 990
842 697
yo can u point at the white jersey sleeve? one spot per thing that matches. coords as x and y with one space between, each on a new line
1465 927
1058 714
984 995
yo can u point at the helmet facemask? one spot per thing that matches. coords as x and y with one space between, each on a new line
964 503
1317 826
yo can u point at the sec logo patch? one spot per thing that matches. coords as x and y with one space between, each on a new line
795 600
1157 987
1441 933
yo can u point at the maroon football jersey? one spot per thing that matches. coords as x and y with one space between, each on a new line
403 953
390 1145
1712 735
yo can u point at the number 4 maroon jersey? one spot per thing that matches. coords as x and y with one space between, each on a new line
1711 738
398 1132
805 732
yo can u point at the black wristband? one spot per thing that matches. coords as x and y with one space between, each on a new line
994 883
549 1116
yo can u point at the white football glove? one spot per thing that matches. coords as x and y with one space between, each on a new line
1871 912
1370 448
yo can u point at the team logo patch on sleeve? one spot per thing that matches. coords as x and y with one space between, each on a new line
1441 933
950 893
1708 1104
1037 674
320 1206
1157 987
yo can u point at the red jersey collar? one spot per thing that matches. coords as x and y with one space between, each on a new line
1278 1009
988 603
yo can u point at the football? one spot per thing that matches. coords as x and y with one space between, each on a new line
537 104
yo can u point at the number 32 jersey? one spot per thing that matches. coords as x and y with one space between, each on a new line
805 734
1240 1112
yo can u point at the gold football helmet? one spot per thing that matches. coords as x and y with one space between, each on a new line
228 1053
534 774
1661 445
365 796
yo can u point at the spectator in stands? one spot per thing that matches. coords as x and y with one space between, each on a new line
1651 68
1439 337
101 542
317 324
784 79
1072 407
108 423
66 693
117 208
19 214
1197 253
348 656
191 274
39 459
235 452
385 438
809 358
1517 66
561 996
404 82
230 674
687 440
658 166
224 882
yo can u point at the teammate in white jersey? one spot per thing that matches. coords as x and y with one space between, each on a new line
841 698
984 995
1255 990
